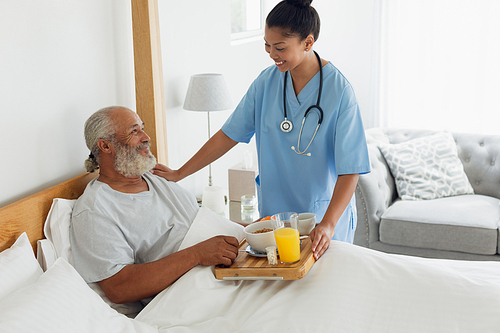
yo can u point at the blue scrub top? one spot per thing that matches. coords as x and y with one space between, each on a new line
288 181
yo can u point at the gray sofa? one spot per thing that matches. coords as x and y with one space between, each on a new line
458 227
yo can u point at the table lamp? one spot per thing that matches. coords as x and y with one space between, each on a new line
207 92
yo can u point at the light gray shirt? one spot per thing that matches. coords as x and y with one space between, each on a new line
111 229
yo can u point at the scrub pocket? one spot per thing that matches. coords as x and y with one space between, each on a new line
320 207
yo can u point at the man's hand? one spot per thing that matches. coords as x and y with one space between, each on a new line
138 281
215 147
165 172
321 237
217 250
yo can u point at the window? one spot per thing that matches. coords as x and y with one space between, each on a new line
246 19
440 67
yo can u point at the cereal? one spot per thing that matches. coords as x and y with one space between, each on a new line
261 231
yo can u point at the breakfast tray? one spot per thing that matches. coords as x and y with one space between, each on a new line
248 267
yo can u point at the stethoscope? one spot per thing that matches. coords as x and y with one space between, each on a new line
286 125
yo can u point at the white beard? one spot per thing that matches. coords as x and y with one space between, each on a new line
130 163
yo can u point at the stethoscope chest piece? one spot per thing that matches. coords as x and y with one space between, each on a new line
286 125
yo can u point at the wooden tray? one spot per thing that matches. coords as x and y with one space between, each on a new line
247 267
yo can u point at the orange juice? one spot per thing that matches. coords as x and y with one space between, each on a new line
287 240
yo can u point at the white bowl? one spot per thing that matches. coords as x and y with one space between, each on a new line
259 241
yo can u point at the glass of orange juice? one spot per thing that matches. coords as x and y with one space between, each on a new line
286 234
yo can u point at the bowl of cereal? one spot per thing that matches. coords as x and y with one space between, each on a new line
259 235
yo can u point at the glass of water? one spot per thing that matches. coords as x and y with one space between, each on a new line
247 202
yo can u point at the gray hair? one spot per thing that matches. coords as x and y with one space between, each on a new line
98 126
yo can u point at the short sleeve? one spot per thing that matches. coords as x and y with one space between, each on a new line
240 126
99 248
351 152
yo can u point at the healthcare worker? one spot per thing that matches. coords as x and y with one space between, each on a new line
309 134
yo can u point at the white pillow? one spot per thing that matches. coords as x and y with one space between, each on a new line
427 167
18 266
45 253
56 230
56 227
61 301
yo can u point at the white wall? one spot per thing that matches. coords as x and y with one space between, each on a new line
62 60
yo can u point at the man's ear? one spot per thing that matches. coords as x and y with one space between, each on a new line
105 146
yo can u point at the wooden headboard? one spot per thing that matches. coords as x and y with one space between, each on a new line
29 214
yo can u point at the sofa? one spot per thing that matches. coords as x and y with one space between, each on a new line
463 226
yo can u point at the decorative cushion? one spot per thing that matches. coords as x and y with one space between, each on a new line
18 266
60 301
427 167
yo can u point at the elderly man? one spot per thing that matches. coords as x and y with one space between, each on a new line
127 227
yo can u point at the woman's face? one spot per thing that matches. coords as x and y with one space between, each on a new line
287 52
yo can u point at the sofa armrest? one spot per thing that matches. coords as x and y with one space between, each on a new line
374 193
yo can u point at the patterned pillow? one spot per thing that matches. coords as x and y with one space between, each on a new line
427 167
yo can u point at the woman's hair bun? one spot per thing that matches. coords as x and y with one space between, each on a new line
296 18
300 3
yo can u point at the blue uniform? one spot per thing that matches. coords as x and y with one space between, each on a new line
288 181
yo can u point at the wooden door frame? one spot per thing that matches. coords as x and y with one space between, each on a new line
150 101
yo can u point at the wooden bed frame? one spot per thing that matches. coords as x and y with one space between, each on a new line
29 214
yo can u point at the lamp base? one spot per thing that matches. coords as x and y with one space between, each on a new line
213 198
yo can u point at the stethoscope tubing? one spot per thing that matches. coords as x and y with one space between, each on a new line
320 90
286 125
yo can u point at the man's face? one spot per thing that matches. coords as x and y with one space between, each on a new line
130 161
133 157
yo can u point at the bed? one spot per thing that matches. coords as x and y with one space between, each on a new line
350 289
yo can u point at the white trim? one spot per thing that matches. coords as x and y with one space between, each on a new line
259 37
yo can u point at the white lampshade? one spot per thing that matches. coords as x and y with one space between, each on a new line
207 92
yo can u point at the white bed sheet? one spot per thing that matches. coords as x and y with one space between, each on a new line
350 289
